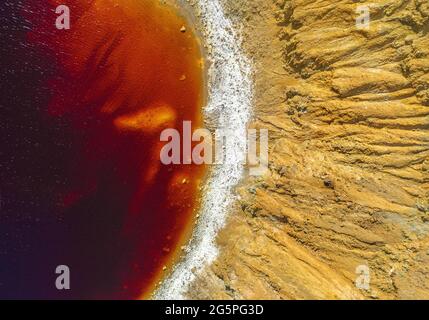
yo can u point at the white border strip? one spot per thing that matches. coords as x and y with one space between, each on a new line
230 97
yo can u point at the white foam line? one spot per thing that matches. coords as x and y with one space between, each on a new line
230 96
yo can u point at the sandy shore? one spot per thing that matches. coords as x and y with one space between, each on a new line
348 186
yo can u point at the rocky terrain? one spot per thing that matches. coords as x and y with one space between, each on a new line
348 114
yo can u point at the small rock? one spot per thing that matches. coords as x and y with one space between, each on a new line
328 183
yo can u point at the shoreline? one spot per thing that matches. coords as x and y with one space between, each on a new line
228 105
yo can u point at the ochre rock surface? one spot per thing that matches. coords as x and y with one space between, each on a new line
348 114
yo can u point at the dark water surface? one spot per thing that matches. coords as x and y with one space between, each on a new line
81 183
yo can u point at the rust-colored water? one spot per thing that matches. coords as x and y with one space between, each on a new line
84 117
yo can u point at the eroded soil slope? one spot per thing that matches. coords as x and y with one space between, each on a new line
348 113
